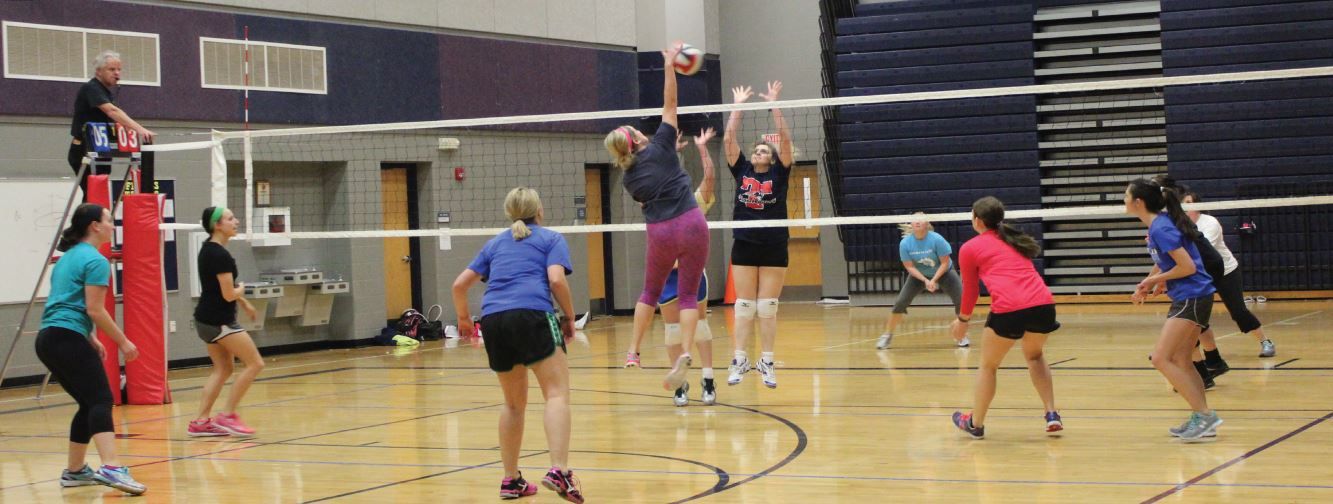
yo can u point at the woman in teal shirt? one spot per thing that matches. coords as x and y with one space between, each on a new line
925 255
66 346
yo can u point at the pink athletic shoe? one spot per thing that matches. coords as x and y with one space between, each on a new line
205 427
563 483
513 488
232 424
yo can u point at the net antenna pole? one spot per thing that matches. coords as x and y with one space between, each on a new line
46 265
246 144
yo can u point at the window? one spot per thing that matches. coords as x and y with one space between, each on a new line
63 53
273 67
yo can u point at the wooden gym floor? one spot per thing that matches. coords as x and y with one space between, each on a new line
846 423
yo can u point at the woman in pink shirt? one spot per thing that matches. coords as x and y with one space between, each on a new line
1021 309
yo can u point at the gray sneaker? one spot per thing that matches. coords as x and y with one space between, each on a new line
1177 431
1199 426
884 340
83 477
1267 348
710 393
682 398
770 375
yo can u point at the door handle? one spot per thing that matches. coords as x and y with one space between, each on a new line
407 259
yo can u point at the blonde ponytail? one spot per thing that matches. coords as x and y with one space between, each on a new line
520 230
522 205
618 143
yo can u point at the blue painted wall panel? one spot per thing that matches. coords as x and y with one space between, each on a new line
374 74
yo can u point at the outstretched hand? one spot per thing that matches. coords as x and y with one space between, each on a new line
704 136
740 94
774 89
681 142
669 54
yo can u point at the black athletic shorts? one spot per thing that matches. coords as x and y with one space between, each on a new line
1012 325
211 334
773 255
520 336
1198 310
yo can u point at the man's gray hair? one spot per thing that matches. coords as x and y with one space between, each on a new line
102 59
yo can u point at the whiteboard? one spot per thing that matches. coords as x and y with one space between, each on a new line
30 212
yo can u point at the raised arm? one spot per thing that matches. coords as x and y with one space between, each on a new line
701 141
784 132
669 84
730 147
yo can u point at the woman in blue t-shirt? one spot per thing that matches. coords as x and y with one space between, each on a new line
1171 236
758 255
67 346
926 256
677 232
523 267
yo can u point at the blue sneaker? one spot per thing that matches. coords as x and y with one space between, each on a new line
83 477
1053 423
119 478
963 421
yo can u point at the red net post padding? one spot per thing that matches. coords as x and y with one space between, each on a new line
145 298
99 193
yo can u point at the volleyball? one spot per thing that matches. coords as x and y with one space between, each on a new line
689 60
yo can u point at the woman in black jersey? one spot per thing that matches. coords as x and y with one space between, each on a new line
215 320
758 255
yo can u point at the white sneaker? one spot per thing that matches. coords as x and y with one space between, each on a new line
676 377
682 398
964 343
884 340
770 375
737 370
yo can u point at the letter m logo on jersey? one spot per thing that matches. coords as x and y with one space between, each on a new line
755 192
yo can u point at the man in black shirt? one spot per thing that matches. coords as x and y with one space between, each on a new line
96 103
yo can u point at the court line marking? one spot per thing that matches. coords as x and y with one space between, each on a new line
205 377
257 444
418 478
702 473
442 347
182 389
858 368
759 475
1298 317
1206 474
927 329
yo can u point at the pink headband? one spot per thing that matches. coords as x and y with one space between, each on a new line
629 141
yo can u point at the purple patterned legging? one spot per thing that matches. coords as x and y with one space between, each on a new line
683 238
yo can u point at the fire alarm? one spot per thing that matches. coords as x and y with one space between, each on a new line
458 173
